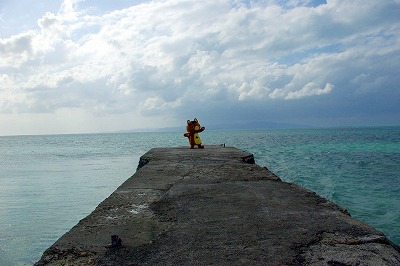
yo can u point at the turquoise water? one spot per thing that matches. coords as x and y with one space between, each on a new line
49 183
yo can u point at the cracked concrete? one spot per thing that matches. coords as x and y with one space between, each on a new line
215 206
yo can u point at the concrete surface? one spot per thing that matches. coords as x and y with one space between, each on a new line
215 206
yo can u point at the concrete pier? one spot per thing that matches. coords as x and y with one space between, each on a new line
216 206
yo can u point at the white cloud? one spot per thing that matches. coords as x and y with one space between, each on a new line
16 49
69 6
308 90
163 56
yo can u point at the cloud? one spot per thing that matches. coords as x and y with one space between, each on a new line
309 89
69 6
163 57
16 49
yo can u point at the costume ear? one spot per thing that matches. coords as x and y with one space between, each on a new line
195 120
188 122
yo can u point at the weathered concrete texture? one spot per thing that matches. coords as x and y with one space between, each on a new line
215 206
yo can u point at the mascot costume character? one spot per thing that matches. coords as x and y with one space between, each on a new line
193 128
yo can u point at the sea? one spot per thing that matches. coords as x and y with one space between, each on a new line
48 183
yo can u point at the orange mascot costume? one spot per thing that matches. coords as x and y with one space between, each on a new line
193 128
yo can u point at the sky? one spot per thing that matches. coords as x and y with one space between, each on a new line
85 66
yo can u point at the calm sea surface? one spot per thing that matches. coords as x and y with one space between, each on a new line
49 183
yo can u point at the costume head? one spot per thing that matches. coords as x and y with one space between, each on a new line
192 125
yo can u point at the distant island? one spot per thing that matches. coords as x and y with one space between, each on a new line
223 126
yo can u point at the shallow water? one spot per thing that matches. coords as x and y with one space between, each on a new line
49 183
